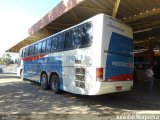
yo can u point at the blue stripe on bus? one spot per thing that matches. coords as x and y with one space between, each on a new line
120 60
33 69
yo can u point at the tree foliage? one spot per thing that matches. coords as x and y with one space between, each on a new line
6 59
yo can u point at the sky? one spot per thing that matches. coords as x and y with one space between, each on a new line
17 16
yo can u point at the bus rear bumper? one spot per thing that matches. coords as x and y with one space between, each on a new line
112 87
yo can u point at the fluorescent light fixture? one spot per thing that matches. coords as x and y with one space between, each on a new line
139 31
156 50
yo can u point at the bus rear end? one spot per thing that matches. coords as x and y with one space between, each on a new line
116 68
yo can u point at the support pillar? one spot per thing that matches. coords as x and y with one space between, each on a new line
115 8
150 55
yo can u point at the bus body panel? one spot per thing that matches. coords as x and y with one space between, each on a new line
117 52
111 87
119 58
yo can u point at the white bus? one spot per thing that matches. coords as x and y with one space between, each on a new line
19 67
92 58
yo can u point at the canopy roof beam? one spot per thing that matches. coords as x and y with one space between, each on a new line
59 26
95 9
115 8
151 25
142 15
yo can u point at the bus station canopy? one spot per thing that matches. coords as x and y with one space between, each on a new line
142 15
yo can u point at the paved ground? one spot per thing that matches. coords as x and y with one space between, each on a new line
27 101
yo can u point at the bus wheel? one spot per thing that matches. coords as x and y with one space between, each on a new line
55 84
44 81
21 75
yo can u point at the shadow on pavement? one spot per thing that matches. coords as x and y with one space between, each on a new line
8 76
27 97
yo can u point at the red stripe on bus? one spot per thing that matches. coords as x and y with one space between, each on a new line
30 58
124 77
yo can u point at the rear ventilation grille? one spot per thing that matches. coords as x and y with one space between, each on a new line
80 71
80 77
80 84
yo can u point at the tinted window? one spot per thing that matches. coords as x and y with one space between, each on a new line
39 47
31 50
26 52
77 36
43 46
36 48
23 52
69 42
87 35
20 53
54 44
60 42
48 45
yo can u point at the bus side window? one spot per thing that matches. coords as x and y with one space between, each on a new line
40 47
43 46
20 53
69 42
31 50
77 36
26 52
48 45
23 52
54 44
60 40
87 35
36 49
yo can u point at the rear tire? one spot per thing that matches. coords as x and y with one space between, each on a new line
44 81
55 84
21 75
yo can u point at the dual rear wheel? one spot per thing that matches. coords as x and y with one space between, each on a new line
54 83
44 81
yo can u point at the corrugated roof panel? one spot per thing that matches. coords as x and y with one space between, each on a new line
70 12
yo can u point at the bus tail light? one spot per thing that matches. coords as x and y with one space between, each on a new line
99 74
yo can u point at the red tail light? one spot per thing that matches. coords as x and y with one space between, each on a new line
99 74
